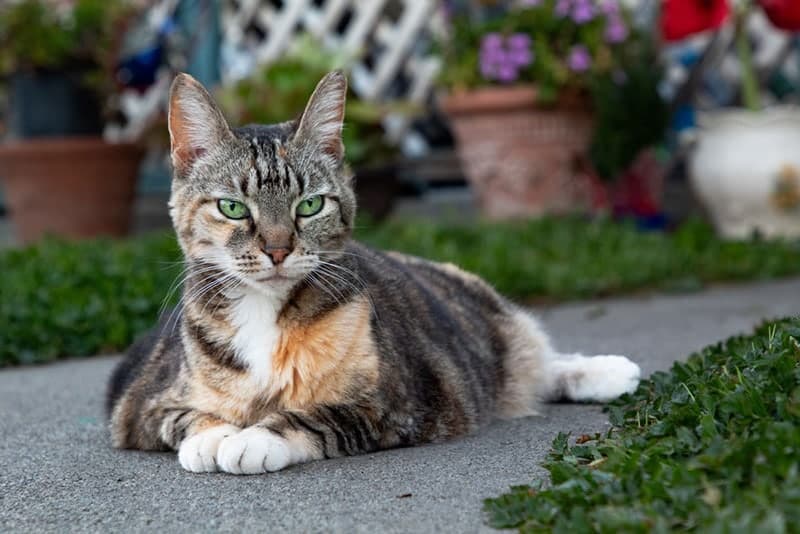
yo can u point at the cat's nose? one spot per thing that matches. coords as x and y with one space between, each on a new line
276 254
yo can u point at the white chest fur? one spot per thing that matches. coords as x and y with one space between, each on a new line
254 316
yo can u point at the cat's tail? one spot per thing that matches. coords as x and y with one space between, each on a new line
580 378
540 373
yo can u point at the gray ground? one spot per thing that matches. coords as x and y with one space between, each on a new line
58 473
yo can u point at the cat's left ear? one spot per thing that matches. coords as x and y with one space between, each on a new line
196 125
320 127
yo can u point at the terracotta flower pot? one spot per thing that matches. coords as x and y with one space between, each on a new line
72 187
520 158
377 188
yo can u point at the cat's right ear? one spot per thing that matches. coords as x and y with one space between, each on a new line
195 123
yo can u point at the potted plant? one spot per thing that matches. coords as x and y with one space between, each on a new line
517 97
58 174
520 84
278 91
745 166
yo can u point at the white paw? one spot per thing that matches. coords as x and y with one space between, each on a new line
198 453
606 378
254 450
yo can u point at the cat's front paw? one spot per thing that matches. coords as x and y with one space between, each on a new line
198 453
252 451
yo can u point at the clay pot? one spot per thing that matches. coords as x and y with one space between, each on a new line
521 158
52 104
71 187
745 169
377 188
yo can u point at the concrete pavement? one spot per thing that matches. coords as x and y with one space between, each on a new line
58 472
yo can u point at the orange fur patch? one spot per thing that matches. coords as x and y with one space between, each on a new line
324 362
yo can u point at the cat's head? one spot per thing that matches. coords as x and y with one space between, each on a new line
264 204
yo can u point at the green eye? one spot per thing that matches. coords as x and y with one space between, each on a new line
232 209
310 206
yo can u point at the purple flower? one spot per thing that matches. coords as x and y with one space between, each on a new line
519 41
520 58
609 7
579 59
502 58
506 73
492 41
616 31
582 11
563 7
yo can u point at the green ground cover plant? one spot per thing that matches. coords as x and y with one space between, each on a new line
571 258
713 445
60 299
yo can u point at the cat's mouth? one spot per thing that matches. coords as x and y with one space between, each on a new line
275 277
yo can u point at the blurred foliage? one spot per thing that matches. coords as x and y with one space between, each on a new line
61 299
629 114
279 91
75 37
568 258
710 446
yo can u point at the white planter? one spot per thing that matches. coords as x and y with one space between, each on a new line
746 170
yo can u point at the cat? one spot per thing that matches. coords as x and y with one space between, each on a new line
294 343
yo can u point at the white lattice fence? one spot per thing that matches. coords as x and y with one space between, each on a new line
386 34
390 37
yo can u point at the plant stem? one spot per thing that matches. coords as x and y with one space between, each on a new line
750 93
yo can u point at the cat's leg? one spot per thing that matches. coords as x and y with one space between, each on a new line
198 439
291 437
552 376
194 434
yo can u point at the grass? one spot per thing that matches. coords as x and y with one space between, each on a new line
61 299
571 258
711 446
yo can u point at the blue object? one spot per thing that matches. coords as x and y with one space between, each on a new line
198 21
139 71
684 118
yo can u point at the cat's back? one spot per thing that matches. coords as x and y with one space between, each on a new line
416 282
436 309
442 334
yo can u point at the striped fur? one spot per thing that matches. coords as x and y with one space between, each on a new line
336 350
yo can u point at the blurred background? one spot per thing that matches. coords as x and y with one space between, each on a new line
645 109
560 148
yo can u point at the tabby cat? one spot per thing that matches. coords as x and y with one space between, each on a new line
293 343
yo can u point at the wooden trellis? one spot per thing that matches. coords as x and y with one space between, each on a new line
386 34
389 36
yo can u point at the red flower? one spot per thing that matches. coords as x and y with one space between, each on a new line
681 18
784 14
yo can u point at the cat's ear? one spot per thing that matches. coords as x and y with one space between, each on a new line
320 127
195 123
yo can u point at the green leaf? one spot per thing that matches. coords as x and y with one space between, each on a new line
722 457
